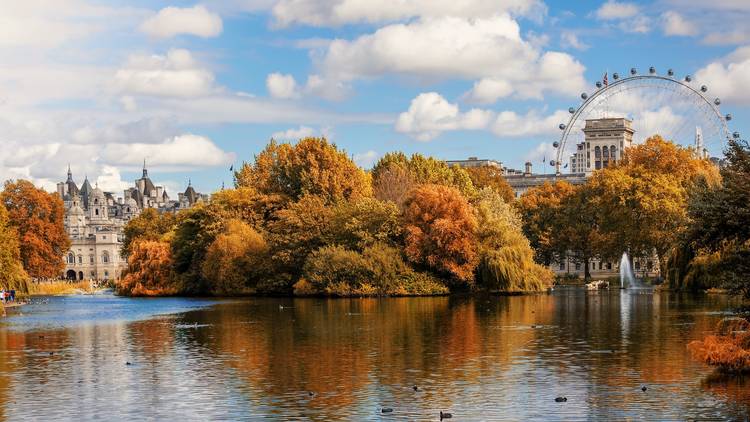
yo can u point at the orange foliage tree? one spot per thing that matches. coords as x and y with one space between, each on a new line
729 350
149 270
440 231
540 208
236 259
491 177
38 218
14 276
312 166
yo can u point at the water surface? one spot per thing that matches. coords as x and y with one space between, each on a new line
494 358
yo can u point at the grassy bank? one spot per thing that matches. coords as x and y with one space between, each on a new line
60 287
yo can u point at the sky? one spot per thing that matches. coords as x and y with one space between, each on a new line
196 88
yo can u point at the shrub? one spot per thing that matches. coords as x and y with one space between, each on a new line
729 349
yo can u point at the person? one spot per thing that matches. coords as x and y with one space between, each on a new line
2 295
12 295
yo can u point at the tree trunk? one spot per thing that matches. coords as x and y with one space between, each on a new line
586 273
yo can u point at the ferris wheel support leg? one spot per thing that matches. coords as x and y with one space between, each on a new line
557 168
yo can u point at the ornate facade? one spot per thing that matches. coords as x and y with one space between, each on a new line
94 221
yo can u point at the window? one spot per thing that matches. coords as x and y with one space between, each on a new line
562 266
71 258
609 265
637 266
91 259
96 211
80 259
600 265
105 257
106 273
578 266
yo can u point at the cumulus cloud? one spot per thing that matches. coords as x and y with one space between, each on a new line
430 114
452 47
569 39
341 12
175 74
612 10
366 159
171 21
676 24
294 134
729 77
181 151
282 86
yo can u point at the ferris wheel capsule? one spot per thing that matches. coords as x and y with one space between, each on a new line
728 117
598 84
736 135
704 88
552 163
584 95
717 101
652 70
572 110
556 144
633 71
615 76
670 72
562 126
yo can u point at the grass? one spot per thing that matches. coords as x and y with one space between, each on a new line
59 287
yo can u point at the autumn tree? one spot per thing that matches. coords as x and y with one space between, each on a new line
312 166
393 183
579 233
491 177
506 260
361 223
150 270
13 274
440 231
249 205
148 225
540 209
37 216
425 170
236 259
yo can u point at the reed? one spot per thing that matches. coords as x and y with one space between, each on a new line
59 287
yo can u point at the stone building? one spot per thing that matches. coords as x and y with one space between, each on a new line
94 221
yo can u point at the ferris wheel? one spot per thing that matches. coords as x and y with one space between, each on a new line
678 109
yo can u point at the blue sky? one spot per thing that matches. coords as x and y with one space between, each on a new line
197 87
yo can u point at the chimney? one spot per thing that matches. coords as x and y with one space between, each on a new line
528 169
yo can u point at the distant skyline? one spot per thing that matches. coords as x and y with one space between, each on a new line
196 87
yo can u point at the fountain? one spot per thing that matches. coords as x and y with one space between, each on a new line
626 273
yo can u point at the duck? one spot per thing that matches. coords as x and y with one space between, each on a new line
415 388
561 399
386 410
644 388
445 415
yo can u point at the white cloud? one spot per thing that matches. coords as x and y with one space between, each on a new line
729 77
366 159
570 40
512 124
489 90
294 134
430 114
542 154
451 47
282 86
341 12
171 21
612 10
175 74
676 24
183 151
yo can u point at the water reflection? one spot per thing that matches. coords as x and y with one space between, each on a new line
480 358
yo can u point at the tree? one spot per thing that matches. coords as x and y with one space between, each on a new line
148 225
311 167
37 216
440 231
580 233
13 274
506 260
393 183
248 205
149 271
361 223
236 259
491 177
541 209
425 170
195 230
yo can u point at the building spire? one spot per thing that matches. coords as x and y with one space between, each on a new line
70 174
145 172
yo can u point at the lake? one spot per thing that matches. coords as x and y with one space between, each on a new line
480 358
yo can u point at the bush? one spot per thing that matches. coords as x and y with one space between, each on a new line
235 260
333 270
729 350
149 271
